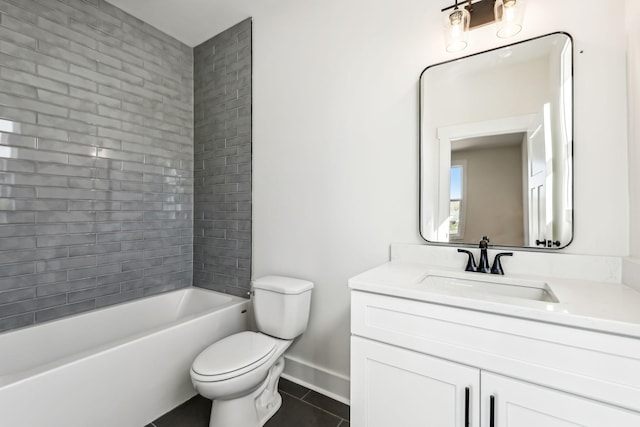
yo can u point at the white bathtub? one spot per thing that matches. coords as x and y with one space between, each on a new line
121 366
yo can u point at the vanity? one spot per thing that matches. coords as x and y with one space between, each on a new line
433 345
552 342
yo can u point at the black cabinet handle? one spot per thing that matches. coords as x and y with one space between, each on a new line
466 407
492 414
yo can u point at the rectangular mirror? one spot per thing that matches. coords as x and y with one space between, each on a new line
496 146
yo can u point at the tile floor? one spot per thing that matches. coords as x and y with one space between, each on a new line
301 407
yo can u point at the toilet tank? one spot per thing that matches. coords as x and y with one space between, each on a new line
281 305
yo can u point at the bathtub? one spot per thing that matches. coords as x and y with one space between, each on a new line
121 366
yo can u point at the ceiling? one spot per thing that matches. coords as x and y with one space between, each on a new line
490 141
190 21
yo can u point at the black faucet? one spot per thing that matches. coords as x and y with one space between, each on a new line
483 265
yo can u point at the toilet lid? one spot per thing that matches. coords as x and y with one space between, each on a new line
234 355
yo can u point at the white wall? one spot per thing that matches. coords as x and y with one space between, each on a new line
633 78
335 151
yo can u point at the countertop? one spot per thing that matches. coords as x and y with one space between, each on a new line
601 306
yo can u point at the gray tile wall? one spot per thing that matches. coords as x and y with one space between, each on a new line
222 161
96 159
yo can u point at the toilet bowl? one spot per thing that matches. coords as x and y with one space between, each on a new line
240 373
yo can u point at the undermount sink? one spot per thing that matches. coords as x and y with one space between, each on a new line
483 285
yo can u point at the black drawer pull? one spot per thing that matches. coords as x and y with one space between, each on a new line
492 414
466 407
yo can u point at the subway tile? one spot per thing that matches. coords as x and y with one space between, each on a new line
119 278
65 310
96 98
17 295
65 287
32 280
45 132
31 230
28 54
15 322
64 170
33 255
121 297
17 140
35 155
104 248
66 101
17 37
120 257
17 269
119 237
66 33
65 263
20 118
92 227
66 78
17 217
17 63
93 205
142 264
33 304
80 273
15 243
69 125
66 240
64 54
44 217
93 293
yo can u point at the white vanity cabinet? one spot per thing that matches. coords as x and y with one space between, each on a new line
392 386
416 363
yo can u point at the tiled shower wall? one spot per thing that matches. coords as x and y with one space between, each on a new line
222 182
96 159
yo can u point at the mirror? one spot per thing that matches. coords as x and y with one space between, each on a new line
496 146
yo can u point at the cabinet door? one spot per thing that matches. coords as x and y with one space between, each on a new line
391 386
521 404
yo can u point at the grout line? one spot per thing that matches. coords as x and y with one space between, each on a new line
314 406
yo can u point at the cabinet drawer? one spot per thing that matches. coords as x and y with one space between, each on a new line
591 364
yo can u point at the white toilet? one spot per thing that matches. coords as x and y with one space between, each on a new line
240 373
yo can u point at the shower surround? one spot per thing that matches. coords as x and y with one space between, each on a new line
222 128
97 160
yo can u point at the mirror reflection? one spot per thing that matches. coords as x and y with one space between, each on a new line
496 146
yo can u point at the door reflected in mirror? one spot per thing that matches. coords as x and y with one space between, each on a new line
496 134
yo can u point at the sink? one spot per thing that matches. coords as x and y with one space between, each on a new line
486 285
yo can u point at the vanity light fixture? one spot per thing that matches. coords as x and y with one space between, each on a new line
458 20
509 15
456 27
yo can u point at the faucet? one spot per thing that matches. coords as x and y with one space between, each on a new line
483 264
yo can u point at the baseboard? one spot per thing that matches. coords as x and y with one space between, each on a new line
318 379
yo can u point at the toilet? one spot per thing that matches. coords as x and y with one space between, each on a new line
240 373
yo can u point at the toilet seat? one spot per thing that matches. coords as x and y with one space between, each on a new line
233 356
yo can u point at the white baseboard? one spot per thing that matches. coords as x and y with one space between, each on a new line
331 384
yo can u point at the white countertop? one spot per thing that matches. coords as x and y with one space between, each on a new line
601 306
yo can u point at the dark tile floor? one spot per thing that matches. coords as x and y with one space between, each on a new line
301 407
